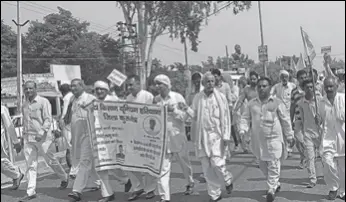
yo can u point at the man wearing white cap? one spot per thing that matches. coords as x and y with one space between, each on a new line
210 110
283 91
177 140
102 93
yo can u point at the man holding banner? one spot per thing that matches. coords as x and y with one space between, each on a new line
101 91
177 140
140 96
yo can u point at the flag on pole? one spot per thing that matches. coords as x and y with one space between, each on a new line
293 64
301 63
309 48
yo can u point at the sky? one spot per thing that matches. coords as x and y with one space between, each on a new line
324 21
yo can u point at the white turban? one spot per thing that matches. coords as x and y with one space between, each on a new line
163 79
284 72
101 84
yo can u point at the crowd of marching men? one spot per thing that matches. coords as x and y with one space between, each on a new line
264 119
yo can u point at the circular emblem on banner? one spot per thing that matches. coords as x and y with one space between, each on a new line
152 125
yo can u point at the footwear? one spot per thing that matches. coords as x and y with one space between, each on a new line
27 198
189 189
73 177
270 197
162 200
332 195
245 151
63 184
218 199
135 195
107 199
302 164
128 186
75 196
278 189
150 195
236 149
311 185
342 198
16 182
229 188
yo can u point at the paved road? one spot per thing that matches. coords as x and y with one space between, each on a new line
248 179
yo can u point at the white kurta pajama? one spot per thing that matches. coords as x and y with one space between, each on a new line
7 167
81 153
176 144
118 174
270 121
213 129
149 182
37 119
333 142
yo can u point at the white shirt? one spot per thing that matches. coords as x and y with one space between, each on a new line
283 93
142 96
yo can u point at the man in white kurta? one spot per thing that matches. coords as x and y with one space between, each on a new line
81 143
176 141
7 167
332 116
270 121
282 91
148 184
210 110
102 93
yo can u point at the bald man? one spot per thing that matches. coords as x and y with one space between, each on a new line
37 134
331 115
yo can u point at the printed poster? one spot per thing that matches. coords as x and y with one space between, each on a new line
128 136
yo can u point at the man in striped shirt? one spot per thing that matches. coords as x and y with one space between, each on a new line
296 95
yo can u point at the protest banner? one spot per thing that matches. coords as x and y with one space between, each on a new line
128 136
117 77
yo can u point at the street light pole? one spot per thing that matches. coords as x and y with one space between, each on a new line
262 40
19 61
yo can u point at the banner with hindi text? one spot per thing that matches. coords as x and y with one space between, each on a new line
128 136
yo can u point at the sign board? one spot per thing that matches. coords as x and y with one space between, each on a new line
128 136
263 53
117 77
65 73
45 84
326 49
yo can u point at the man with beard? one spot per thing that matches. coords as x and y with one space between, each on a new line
210 110
331 116
270 123
102 94
282 91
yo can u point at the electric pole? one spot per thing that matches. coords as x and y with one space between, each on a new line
262 40
227 57
19 61
187 71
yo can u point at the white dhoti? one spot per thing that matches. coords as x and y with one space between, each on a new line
163 184
334 172
271 170
142 181
216 174
106 188
31 152
8 169
82 157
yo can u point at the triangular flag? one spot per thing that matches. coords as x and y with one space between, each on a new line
293 64
309 48
301 63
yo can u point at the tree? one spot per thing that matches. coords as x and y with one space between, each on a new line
8 51
180 18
